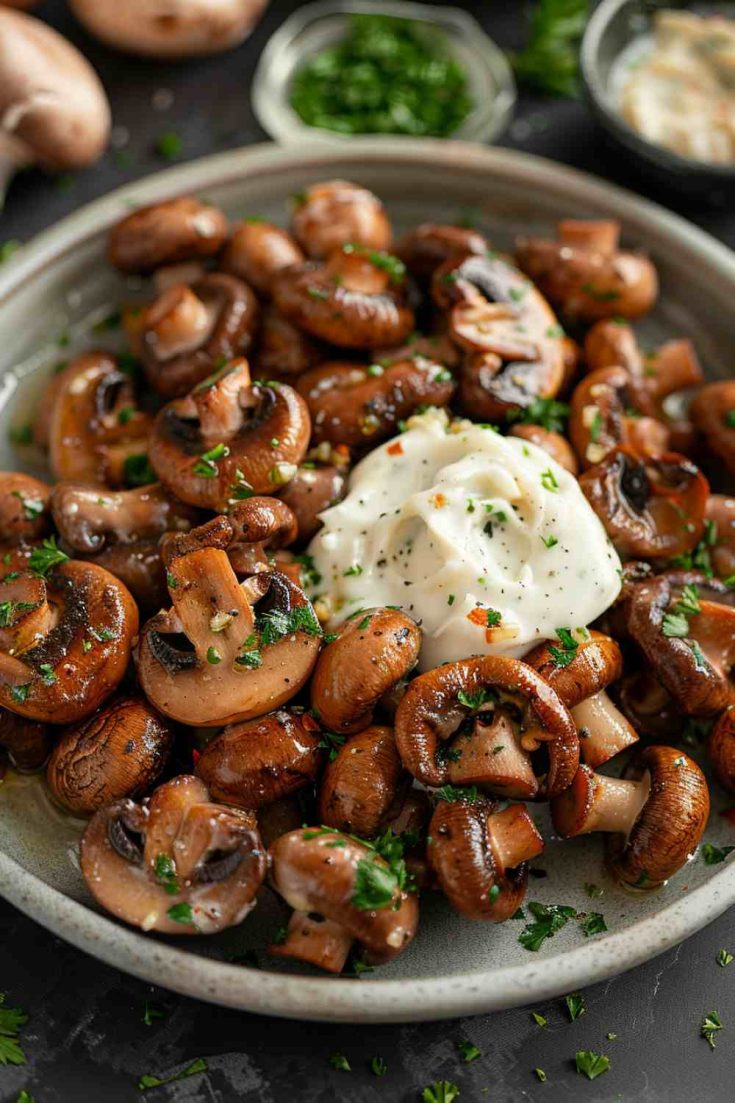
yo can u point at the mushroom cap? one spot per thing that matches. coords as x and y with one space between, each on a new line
169 28
261 761
609 407
374 649
316 870
597 662
257 251
364 784
721 748
24 505
429 245
336 212
51 100
171 232
708 411
672 822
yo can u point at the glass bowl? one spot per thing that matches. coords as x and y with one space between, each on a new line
315 27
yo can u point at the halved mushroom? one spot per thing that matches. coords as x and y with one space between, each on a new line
177 864
479 856
342 891
190 331
96 431
553 443
586 274
713 412
262 761
214 658
720 512
363 787
672 366
334 213
373 650
283 350
320 482
431 244
66 639
171 232
89 520
597 662
480 722
357 298
121 751
360 405
257 251
229 439
655 813
27 742
721 748
652 507
24 505
608 409
509 330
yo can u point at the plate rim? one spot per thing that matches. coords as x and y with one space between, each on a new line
328 998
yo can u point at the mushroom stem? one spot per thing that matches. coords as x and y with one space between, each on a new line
604 730
616 804
514 836
601 237
14 156
316 940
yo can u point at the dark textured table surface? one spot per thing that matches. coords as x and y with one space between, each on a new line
86 1040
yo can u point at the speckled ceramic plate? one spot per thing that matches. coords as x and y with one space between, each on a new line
56 290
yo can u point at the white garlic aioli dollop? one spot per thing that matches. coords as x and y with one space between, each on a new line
483 539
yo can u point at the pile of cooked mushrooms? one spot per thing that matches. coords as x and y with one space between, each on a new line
160 657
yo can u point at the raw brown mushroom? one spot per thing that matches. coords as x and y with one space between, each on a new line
335 213
655 814
176 864
257 251
364 785
586 274
609 409
121 751
24 505
603 729
479 856
374 649
27 742
262 761
229 439
342 891
171 232
479 722
651 507
713 413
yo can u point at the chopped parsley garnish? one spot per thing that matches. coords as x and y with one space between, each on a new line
700 659
331 741
9 611
493 618
206 465
164 869
19 694
340 1062
539 1019
593 891
564 655
378 1066
146 1082
473 701
494 892
20 435
251 658
699 559
593 923
240 490
575 1005
713 855
151 1013
169 145
213 656
451 599
276 624
730 419
710 1025
47 673
354 570
454 794
725 958
32 507
126 414
548 920
591 1064
181 913
596 426
11 1020
375 884
310 576
137 471
549 481
549 541
540 1075
393 266
546 412
442 1091
46 556
468 1052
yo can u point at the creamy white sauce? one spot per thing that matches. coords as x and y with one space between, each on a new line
483 539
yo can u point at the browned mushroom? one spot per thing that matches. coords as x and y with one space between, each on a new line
581 683
586 274
480 722
23 507
655 814
166 233
479 856
97 434
336 212
283 350
437 347
343 891
713 413
88 520
216 658
263 760
672 366
279 818
177 864
320 482
609 409
67 638
553 443
229 439
720 512
364 785
257 251
356 299
721 748
431 244
189 332
119 752
360 405
373 649
27 742
651 507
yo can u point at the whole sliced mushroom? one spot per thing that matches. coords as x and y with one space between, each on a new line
67 638
342 891
27 743
364 785
53 108
121 751
177 864
229 438
597 662
480 722
429 245
169 28
655 814
257 251
711 411
360 405
373 650
261 761
480 855
652 507
335 213
24 502
609 409
172 232
586 274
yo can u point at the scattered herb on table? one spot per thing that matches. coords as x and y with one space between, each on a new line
151 1013
340 1062
593 923
11 1020
378 1066
540 1020
575 1005
468 1052
148 1081
711 1024
713 855
591 1064
440 1092
725 958
541 1075
548 920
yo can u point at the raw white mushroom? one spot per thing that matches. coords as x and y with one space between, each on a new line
53 108
169 28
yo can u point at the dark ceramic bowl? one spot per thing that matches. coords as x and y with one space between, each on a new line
612 27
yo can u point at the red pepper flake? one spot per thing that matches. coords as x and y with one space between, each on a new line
729 815
195 755
395 449
478 616
439 501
